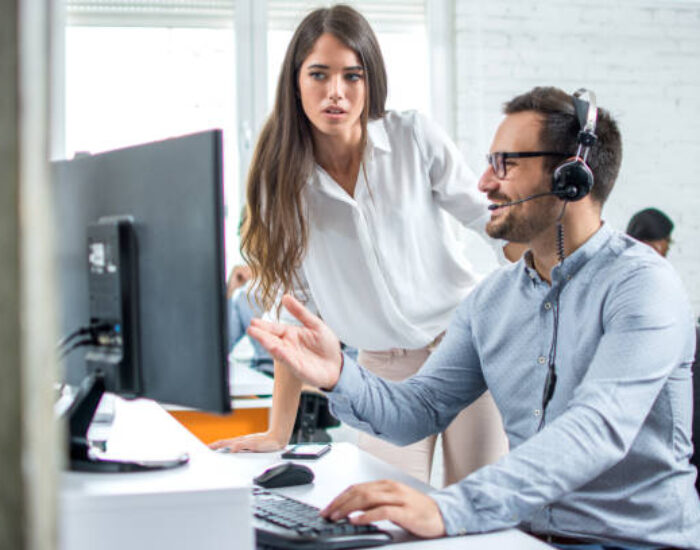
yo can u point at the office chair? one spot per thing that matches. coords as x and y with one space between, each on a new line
313 418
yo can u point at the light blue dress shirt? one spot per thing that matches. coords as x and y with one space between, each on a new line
240 313
610 462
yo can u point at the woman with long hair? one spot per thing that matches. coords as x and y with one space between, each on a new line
346 209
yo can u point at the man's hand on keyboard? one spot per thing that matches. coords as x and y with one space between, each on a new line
311 351
396 502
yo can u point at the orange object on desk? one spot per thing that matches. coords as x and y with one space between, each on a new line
211 427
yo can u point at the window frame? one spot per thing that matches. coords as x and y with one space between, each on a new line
250 25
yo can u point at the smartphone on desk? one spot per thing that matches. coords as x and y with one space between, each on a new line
308 451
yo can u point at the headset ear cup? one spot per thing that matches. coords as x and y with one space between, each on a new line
572 180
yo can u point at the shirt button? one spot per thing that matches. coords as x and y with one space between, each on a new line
537 412
541 359
547 305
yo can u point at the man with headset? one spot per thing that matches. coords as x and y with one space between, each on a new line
590 370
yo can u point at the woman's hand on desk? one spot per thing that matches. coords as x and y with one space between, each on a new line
264 442
311 352
379 500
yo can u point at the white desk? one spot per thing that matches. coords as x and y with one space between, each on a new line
206 504
247 383
195 506
346 464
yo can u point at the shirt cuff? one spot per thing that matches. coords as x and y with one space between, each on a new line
471 506
348 382
457 511
347 393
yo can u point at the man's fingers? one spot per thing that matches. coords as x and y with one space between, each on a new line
388 500
268 340
276 347
277 329
342 499
336 503
362 497
295 307
385 512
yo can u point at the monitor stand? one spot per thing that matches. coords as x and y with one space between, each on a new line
80 415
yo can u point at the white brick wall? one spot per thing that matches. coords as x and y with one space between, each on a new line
641 57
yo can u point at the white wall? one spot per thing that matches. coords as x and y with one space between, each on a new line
641 57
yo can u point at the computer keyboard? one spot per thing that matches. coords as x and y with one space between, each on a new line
282 522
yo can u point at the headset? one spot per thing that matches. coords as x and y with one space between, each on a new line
573 179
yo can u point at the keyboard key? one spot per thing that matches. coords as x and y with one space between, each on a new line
285 523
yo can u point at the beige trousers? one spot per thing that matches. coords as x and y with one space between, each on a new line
473 439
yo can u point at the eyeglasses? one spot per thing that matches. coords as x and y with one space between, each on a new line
498 160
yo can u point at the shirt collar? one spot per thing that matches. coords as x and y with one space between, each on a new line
377 137
575 261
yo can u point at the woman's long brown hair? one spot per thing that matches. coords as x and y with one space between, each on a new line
275 231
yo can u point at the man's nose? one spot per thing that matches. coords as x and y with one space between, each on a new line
488 181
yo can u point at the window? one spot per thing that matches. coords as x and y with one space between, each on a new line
142 70
139 71
402 34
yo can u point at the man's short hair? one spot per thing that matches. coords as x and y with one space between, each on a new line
559 132
650 224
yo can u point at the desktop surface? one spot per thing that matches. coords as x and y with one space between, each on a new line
182 508
209 499
346 464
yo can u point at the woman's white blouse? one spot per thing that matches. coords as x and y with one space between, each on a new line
382 268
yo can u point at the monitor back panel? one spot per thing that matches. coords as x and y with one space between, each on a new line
173 191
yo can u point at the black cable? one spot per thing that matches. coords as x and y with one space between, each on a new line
91 329
551 380
560 242
560 234
78 344
79 332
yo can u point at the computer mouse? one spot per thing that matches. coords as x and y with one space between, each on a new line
285 474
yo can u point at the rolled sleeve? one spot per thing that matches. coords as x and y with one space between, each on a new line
424 404
348 391
457 511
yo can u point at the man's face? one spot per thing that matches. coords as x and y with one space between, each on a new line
519 133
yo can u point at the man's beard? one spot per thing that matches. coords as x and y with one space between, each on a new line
517 227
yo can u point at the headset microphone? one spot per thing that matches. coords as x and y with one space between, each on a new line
531 197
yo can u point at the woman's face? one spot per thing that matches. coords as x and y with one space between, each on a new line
332 86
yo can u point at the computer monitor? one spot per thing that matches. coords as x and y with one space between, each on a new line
164 202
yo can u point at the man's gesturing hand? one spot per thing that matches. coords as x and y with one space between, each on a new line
311 351
396 502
